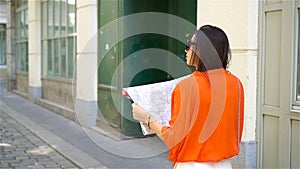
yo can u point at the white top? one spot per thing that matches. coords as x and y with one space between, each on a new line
224 164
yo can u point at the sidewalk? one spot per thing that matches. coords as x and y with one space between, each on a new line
83 146
20 148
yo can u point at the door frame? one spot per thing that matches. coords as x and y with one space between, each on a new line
281 113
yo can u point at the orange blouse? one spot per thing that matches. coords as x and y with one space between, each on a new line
207 117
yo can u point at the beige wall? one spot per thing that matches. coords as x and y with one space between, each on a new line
239 20
231 16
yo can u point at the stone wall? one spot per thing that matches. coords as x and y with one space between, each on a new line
247 156
3 72
59 92
22 82
3 77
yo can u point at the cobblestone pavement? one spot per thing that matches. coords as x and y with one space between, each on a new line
21 149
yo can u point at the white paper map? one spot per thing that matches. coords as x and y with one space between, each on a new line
156 99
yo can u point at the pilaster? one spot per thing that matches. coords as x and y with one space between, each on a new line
34 49
86 79
10 48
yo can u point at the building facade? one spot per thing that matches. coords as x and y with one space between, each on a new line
71 56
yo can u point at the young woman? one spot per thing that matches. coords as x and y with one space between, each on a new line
207 108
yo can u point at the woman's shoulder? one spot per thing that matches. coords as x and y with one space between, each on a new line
232 76
234 79
189 81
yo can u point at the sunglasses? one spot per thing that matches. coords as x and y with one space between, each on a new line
188 45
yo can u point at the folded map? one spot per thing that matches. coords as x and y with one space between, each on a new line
155 98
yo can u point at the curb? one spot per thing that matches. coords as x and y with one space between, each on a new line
78 157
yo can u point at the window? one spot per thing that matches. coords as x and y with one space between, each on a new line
2 45
22 35
58 37
296 95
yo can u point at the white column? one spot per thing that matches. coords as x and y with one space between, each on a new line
34 49
86 78
10 41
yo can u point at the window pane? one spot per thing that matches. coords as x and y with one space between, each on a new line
22 57
71 16
56 57
18 21
50 62
18 3
44 57
63 57
21 3
71 56
18 57
26 56
2 45
44 19
26 23
63 17
22 26
56 17
50 18
25 1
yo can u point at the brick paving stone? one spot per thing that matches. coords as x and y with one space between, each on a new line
6 158
8 149
66 165
57 157
2 165
24 145
20 148
45 161
18 152
22 157
16 164
51 166
29 162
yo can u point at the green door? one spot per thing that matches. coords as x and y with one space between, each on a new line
115 109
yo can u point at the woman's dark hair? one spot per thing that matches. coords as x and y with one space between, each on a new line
211 49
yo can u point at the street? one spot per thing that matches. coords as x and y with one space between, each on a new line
34 137
20 148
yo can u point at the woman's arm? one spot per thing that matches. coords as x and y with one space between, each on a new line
142 115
